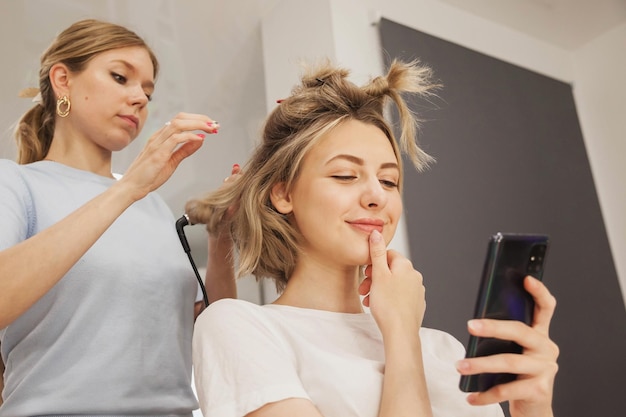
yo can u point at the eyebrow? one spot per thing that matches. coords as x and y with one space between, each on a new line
147 84
361 162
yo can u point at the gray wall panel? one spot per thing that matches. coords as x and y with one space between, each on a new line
511 158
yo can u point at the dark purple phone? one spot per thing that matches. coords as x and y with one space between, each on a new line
510 258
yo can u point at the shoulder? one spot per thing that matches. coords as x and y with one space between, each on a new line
231 306
17 212
228 315
10 169
23 177
13 183
227 326
8 164
11 175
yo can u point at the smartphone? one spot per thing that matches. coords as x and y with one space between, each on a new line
510 257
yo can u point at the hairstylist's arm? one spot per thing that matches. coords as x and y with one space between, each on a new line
396 298
530 395
220 272
23 282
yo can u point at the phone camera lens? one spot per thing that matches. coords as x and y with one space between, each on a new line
535 259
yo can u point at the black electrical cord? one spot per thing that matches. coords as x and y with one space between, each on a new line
180 224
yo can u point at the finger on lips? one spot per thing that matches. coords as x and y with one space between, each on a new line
378 250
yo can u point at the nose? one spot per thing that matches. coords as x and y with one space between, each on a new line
374 195
137 96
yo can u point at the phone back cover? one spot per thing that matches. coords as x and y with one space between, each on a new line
510 258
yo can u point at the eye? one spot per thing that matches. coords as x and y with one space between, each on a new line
119 78
343 177
389 183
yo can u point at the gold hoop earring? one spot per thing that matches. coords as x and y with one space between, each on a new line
63 106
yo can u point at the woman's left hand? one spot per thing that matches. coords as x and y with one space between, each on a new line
530 395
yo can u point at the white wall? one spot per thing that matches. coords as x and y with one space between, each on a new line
600 93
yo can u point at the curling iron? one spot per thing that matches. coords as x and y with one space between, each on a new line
180 225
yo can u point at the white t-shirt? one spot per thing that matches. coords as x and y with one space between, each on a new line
246 356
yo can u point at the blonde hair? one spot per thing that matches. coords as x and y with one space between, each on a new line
266 241
74 47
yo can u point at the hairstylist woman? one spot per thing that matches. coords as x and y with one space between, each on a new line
96 295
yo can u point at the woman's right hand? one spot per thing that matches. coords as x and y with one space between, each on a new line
164 151
395 294
393 289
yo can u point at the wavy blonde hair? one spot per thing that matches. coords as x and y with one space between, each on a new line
74 47
266 241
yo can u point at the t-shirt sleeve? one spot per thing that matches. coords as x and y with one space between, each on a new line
16 211
440 351
241 361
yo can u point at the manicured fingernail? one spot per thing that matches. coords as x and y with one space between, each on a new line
475 324
201 135
235 166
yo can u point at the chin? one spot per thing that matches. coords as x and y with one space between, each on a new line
363 259
121 144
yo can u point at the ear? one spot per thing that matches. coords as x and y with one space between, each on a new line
60 79
281 200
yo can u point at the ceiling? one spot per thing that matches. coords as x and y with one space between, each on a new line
568 24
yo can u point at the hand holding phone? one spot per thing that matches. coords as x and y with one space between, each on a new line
510 258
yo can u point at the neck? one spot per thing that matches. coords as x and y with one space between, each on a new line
322 288
83 155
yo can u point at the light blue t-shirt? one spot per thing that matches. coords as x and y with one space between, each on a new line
112 337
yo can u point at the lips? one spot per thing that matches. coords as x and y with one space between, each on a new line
367 225
131 119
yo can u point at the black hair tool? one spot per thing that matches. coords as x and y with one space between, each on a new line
180 225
